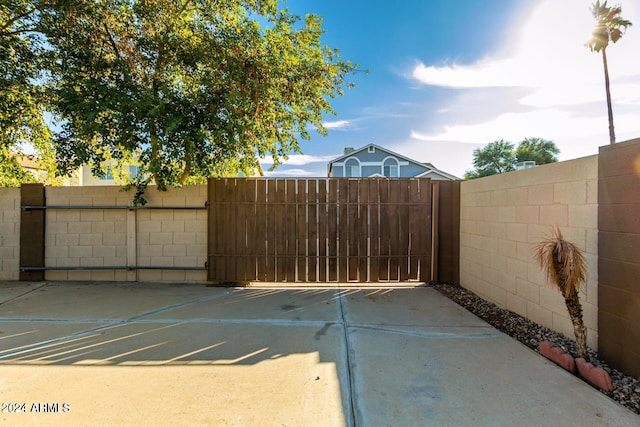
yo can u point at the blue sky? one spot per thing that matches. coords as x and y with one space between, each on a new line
446 77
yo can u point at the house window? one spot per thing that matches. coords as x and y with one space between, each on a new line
108 175
390 168
371 149
352 168
133 171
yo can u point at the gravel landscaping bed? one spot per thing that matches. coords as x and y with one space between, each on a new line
626 388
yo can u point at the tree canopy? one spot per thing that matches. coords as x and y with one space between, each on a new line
539 150
501 156
183 88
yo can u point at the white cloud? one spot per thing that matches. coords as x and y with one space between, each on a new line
339 124
300 159
289 172
559 76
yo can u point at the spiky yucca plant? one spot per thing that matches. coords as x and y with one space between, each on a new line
565 267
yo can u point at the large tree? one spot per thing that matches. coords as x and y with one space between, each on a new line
541 151
187 87
609 28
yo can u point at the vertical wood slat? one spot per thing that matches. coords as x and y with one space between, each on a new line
415 229
383 249
261 229
239 235
425 241
403 230
312 230
343 233
231 231
270 262
252 238
394 227
374 231
352 218
280 210
290 229
363 231
332 230
301 231
322 230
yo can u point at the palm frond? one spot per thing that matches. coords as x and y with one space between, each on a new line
562 262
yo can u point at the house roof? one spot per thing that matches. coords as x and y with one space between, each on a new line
432 169
29 163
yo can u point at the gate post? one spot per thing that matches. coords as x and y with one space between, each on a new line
447 222
32 225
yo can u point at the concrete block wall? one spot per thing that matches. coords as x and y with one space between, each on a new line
108 238
9 233
504 216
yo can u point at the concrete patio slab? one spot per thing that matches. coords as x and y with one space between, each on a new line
116 354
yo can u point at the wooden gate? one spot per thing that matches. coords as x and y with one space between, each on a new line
319 230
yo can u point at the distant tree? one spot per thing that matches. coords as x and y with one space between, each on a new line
539 150
187 87
496 157
609 27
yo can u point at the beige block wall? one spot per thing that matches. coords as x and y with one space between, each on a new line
9 233
108 238
504 216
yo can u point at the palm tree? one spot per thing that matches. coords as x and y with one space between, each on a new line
609 27
565 267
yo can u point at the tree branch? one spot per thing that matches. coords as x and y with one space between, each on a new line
12 21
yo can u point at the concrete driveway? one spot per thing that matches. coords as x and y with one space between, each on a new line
158 354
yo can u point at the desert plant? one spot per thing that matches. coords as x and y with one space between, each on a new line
565 267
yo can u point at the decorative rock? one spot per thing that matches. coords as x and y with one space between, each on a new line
597 377
557 356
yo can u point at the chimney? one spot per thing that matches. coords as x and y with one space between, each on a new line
348 150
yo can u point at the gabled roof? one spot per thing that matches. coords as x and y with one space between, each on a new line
435 171
357 150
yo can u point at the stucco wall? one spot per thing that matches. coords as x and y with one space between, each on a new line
103 237
9 233
504 216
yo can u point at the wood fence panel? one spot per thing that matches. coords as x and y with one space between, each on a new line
319 230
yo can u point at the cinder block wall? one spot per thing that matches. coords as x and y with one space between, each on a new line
9 233
504 216
103 237
619 250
